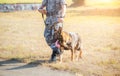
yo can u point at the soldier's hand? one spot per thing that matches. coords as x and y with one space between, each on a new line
60 20
43 11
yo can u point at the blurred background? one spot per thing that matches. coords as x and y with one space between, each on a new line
96 21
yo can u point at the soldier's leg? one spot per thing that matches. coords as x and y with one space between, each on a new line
56 51
48 38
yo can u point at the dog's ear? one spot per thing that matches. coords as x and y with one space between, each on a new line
60 37
60 30
57 34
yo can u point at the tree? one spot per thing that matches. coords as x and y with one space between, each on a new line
78 2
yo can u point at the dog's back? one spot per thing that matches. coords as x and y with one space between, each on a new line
71 40
75 40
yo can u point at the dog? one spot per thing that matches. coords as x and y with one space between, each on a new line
68 41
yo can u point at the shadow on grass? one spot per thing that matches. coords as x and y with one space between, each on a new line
10 61
21 66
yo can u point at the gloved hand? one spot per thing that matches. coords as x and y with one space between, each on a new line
43 11
61 20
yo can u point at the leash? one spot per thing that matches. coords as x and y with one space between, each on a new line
43 18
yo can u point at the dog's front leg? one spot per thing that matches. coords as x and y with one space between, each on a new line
61 55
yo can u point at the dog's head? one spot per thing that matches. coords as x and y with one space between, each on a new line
58 35
64 39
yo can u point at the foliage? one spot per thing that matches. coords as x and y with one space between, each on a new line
79 2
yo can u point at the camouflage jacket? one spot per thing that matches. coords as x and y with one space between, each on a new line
54 10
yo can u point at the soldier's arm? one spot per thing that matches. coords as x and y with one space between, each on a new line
63 7
63 10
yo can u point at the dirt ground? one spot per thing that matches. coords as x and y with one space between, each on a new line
16 68
21 38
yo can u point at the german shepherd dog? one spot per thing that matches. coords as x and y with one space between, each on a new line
69 41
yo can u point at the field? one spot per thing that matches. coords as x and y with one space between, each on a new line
21 38
97 3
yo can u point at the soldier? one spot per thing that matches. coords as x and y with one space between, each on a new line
55 13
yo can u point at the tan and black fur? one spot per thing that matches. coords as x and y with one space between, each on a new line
69 41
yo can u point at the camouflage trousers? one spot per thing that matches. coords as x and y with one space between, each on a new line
49 32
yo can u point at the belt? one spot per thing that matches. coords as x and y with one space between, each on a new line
54 14
51 14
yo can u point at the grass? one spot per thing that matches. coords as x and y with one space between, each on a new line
69 2
20 1
21 38
94 3
27 1
13 41
103 3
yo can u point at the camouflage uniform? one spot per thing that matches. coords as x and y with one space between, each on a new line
54 11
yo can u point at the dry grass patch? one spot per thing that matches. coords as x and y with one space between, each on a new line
21 37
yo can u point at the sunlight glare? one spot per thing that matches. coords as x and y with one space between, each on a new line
105 0
99 1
